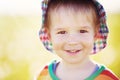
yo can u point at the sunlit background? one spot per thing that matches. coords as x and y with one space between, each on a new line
22 55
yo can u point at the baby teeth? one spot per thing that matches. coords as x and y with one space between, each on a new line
73 51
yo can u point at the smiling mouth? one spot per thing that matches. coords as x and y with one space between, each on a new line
72 52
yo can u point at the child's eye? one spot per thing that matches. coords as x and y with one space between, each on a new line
61 32
83 31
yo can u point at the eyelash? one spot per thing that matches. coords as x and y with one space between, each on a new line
83 31
64 32
61 32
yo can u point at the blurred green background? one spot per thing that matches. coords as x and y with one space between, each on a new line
22 55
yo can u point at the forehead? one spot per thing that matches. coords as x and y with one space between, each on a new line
70 16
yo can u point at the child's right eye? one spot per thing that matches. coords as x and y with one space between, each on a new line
61 32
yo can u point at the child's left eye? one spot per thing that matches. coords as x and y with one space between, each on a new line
83 31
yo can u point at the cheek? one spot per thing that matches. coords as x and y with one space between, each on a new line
88 42
87 38
57 42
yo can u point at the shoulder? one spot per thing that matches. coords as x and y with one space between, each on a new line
44 74
106 74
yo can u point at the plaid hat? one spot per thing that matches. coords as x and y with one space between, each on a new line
100 42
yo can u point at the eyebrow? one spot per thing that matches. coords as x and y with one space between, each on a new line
59 28
82 27
88 27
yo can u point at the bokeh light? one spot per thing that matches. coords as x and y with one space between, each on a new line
22 55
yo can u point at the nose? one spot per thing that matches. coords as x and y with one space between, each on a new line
73 39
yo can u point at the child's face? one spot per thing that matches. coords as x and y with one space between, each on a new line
72 34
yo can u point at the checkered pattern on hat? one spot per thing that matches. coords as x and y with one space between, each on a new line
43 32
100 42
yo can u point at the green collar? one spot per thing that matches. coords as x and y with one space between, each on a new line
50 68
92 77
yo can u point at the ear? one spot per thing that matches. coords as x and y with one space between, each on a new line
96 35
48 33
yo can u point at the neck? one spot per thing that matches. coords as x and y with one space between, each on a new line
75 66
75 71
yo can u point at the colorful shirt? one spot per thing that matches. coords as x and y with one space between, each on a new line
100 73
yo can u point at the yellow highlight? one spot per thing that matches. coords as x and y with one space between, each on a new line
22 55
